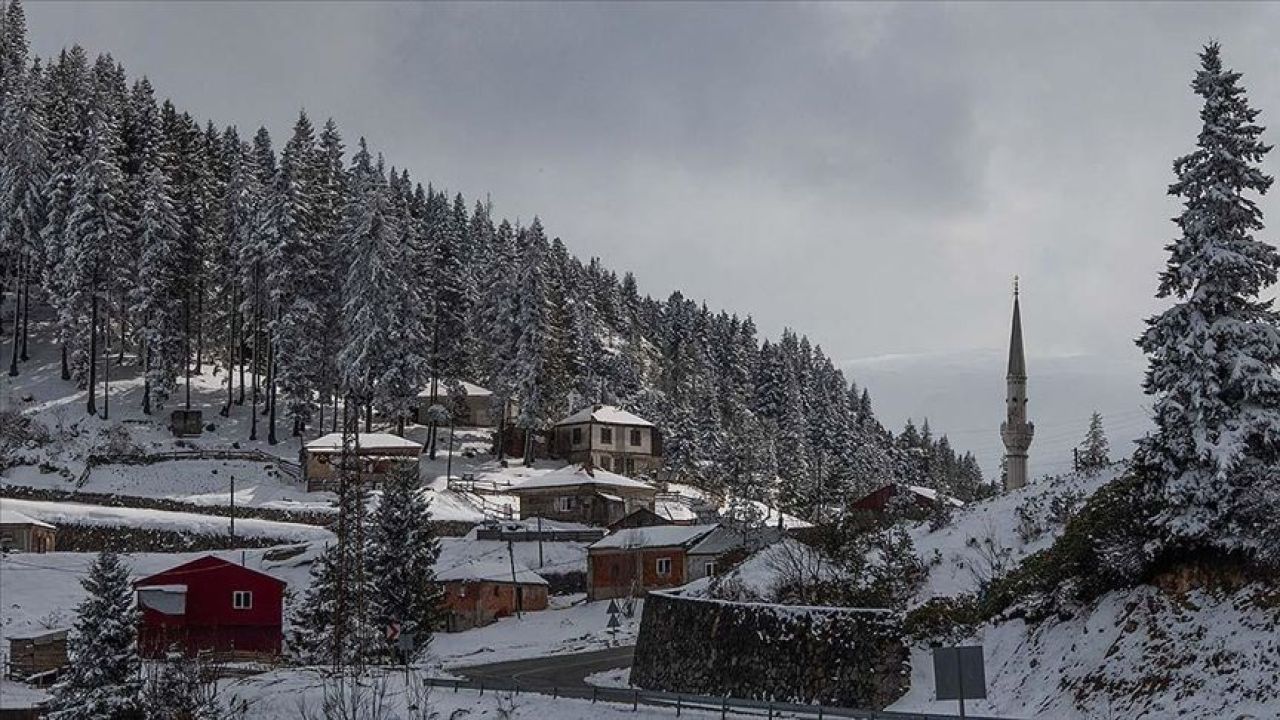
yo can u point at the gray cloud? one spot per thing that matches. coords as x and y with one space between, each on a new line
869 174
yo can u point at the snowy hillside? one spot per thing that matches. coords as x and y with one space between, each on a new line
1146 653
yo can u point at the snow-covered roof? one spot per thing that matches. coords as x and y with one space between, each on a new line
442 390
492 571
164 588
367 441
572 475
13 517
605 414
652 537
934 495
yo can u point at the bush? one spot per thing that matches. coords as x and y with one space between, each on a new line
947 619
1102 548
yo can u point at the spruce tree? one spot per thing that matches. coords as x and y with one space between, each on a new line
159 294
103 680
403 550
1093 452
1209 467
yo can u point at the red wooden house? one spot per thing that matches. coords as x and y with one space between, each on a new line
210 605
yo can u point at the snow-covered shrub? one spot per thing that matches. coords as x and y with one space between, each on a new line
1103 547
116 440
20 432
947 619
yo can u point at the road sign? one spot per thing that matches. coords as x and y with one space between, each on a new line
958 674
393 632
405 644
613 607
613 622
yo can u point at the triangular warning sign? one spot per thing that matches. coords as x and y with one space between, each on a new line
613 622
613 607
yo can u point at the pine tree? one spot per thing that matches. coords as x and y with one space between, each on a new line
103 679
1093 452
403 550
160 290
297 262
379 360
93 228
23 177
527 367
1209 466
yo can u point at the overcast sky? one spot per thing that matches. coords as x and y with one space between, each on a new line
872 175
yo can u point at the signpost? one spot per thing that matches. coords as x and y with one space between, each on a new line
958 673
613 623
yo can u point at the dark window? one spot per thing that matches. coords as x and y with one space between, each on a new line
635 438
664 566
577 436
606 435
242 600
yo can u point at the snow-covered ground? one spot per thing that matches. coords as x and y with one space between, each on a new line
569 626
616 678
1143 654
987 532
148 519
282 694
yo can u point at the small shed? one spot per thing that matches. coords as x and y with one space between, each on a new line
637 560
36 658
210 605
582 494
379 454
479 593
24 533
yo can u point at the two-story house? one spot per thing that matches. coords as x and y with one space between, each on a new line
610 438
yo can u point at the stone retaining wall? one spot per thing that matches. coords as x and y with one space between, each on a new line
833 656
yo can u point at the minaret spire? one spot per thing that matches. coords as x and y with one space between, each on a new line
1015 430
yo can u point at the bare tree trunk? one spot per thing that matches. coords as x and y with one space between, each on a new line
92 408
146 378
200 328
26 311
17 323
271 392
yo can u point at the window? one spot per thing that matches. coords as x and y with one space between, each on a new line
631 466
606 462
606 435
664 566
635 437
709 569
564 503
242 600
577 436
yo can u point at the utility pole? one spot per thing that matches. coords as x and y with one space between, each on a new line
539 542
233 508
515 584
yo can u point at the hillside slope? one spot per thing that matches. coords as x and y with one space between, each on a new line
1155 651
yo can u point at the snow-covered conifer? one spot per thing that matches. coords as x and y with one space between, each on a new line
103 680
1210 465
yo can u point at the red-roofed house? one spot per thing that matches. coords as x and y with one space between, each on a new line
210 604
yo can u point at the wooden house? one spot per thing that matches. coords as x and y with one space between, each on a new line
474 410
479 593
23 533
611 438
379 453
637 560
582 494
36 657
724 546
210 605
